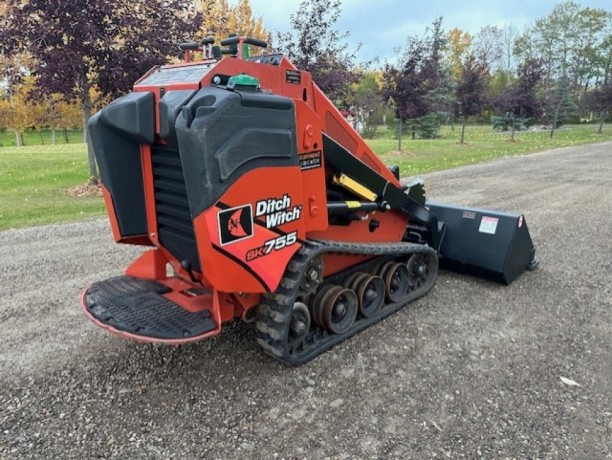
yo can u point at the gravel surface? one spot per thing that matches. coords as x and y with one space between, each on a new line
473 370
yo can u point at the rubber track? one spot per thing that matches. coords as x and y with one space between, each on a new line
274 312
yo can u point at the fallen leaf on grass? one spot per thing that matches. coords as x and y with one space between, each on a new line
85 190
570 382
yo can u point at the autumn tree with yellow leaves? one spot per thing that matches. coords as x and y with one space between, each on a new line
458 47
18 112
219 19
62 115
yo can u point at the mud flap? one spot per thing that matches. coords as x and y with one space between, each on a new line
490 244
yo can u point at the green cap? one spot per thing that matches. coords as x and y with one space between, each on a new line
243 80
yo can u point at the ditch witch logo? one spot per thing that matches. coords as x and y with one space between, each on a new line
235 224
278 211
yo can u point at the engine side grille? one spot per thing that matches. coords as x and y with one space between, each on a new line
174 224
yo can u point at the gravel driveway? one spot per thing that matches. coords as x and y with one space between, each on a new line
473 370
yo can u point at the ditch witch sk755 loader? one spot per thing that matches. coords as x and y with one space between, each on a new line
260 202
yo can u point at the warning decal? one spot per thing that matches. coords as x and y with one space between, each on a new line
310 160
294 77
488 225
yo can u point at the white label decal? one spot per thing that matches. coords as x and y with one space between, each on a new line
488 225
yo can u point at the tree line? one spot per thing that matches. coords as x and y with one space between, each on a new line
60 61
558 69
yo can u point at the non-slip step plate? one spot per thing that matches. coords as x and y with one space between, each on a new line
137 307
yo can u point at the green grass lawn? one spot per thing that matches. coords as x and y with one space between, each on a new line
34 180
482 143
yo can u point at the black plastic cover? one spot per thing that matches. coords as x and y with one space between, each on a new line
223 134
169 107
116 133
132 116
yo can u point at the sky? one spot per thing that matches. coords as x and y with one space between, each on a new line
383 25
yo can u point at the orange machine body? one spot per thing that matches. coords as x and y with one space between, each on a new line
281 206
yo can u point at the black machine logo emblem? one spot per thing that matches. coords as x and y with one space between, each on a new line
235 224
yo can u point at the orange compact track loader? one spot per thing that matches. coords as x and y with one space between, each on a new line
259 201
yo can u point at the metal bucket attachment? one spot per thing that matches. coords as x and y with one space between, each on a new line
490 244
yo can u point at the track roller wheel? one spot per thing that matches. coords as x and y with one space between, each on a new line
333 304
316 306
395 276
336 308
349 282
299 325
418 267
379 267
354 281
370 292
339 309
